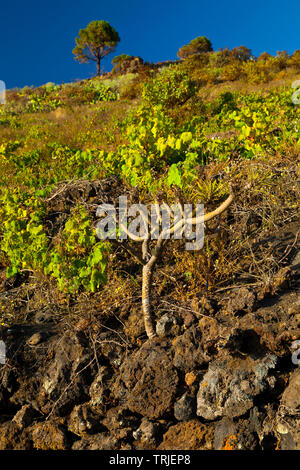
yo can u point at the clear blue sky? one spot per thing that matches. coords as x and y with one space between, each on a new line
37 36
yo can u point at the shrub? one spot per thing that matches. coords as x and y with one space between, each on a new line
295 59
192 64
196 46
281 60
232 71
225 102
126 63
258 72
131 89
220 58
241 53
264 57
171 86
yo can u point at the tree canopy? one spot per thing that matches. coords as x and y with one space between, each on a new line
196 46
97 40
241 53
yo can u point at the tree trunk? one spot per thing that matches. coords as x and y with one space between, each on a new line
146 288
146 302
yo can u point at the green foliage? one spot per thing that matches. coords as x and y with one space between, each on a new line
77 260
50 86
295 59
102 92
241 53
23 238
46 100
220 58
170 87
120 61
209 191
160 146
225 102
37 104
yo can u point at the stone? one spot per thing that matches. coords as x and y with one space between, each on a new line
148 381
235 435
99 389
225 429
36 339
24 417
242 300
188 435
147 431
117 419
190 378
287 418
100 441
164 325
12 438
291 396
187 350
188 318
63 383
82 421
230 385
50 436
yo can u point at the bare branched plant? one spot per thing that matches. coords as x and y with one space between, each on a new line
149 258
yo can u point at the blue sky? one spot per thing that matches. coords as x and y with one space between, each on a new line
37 37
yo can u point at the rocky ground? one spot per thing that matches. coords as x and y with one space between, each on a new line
218 376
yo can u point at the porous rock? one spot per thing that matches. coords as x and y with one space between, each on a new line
230 385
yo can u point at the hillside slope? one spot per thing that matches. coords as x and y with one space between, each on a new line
80 371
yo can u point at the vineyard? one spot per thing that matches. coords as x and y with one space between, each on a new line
194 132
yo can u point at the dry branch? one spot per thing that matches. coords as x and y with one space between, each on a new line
149 261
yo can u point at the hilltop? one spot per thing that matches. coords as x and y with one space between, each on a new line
81 372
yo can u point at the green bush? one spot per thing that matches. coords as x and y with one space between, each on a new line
199 44
170 87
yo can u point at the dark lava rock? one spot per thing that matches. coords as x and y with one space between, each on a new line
120 422
230 384
225 429
164 324
242 300
64 382
207 306
188 318
11 438
99 390
184 408
37 338
24 417
189 435
240 435
28 392
82 421
148 381
147 432
101 441
50 435
111 351
9 380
